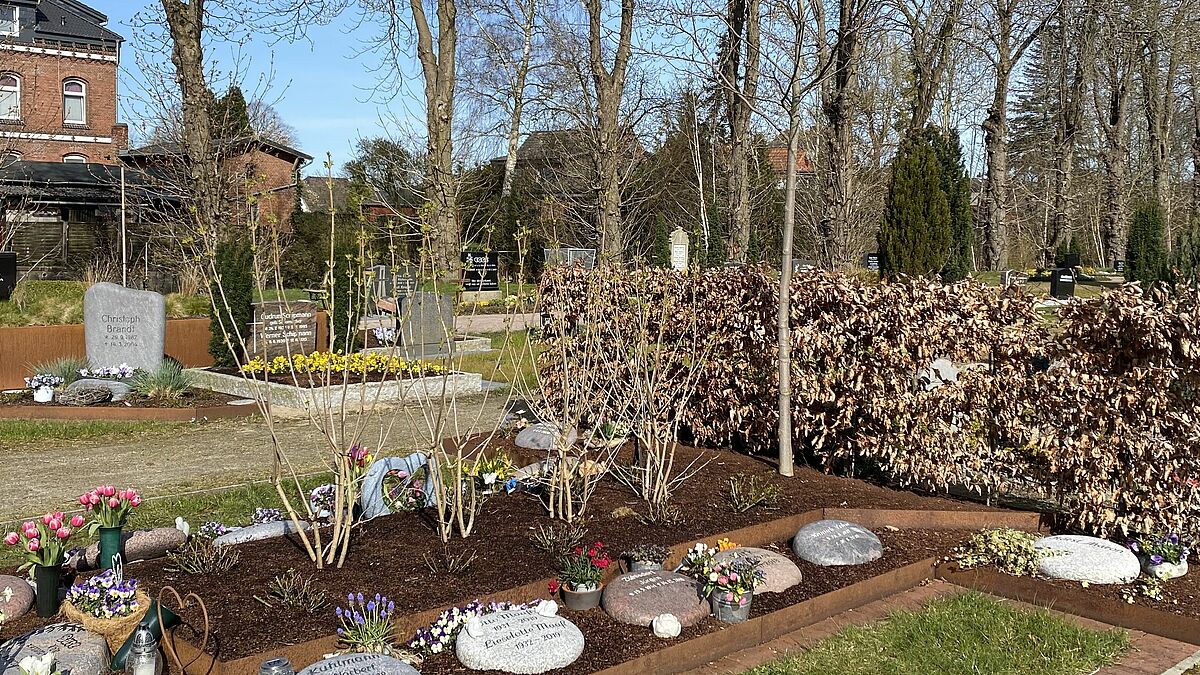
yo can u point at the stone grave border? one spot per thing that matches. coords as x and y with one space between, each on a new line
280 394
679 656
125 414
463 344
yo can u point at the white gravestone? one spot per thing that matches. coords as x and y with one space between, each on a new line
836 542
519 641
679 249
360 664
121 325
1090 559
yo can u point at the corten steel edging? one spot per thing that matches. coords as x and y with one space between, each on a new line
1077 601
129 414
781 621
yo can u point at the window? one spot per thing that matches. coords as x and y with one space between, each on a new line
74 102
8 21
10 96
74 158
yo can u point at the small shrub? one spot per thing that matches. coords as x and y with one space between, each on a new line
200 556
168 383
66 367
1150 588
662 514
558 539
294 591
746 492
1010 551
445 562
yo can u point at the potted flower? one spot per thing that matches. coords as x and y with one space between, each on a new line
43 386
1162 556
579 577
492 472
730 587
646 557
43 543
111 508
107 605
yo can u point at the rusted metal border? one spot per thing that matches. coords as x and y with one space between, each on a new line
129 414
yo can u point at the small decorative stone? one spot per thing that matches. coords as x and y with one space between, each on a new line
140 545
836 542
666 626
244 535
1091 559
118 388
519 641
360 664
937 373
16 597
637 598
84 396
76 651
780 571
543 436
371 499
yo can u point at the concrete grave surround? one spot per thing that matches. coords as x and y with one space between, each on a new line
1090 559
780 571
360 664
637 598
140 545
76 651
118 388
121 325
542 436
244 535
20 597
519 641
836 542
371 499
321 398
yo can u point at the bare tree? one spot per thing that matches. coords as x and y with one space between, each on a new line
1111 93
739 72
929 26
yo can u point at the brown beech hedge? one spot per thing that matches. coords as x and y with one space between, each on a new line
1096 407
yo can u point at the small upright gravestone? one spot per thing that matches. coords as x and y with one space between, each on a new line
679 249
481 276
836 542
871 261
283 328
121 325
425 324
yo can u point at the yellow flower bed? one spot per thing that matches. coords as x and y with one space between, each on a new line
337 362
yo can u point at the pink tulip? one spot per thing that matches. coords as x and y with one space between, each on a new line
109 491
113 502
83 499
77 521
31 533
28 525
94 498
54 524
63 532
135 500
34 545
12 538
47 518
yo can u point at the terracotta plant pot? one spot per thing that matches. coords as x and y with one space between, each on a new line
730 611
581 600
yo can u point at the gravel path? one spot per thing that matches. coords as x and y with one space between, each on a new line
214 454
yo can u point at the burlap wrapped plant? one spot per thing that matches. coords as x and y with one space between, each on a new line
107 607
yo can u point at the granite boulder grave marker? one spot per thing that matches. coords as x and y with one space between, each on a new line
543 436
76 651
1080 558
145 544
780 572
244 535
360 664
637 598
16 597
519 641
284 328
121 325
836 542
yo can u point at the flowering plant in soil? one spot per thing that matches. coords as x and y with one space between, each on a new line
121 372
43 541
211 530
491 470
1161 548
582 569
327 363
105 596
263 515
402 491
440 635
734 580
385 336
697 561
43 380
647 553
368 624
109 505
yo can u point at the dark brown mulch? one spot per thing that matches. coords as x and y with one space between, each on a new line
192 398
387 553
1180 596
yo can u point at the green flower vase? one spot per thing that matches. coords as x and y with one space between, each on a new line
47 579
110 546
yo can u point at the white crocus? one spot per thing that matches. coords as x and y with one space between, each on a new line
183 526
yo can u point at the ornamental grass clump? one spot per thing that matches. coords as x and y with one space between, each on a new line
745 492
201 556
558 539
368 624
168 383
1010 551
105 596
294 591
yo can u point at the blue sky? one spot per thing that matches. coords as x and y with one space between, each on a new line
320 86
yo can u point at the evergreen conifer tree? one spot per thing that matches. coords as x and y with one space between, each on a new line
957 188
231 117
1145 256
232 293
915 236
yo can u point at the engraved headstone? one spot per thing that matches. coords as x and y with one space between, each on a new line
871 261
360 664
76 651
570 257
371 499
425 324
121 325
481 271
1090 559
836 542
780 572
284 328
16 597
519 641
679 249
638 597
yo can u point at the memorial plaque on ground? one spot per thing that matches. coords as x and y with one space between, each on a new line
638 597
1079 558
481 271
284 328
519 641
121 325
780 572
76 651
836 542
360 664
871 261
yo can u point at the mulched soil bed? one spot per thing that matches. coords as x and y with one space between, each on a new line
1180 596
192 398
314 380
387 555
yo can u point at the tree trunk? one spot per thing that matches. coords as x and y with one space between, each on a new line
521 76
995 192
1195 143
740 80
839 149
1112 114
930 55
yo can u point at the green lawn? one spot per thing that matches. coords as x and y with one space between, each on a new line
503 363
49 303
968 634
15 434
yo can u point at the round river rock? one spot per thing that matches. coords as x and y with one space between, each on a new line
519 641
1090 559
836 542
75 650
638 597
16 597
780 572
360 664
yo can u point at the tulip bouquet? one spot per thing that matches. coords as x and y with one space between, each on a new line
44 541
734 580
110 506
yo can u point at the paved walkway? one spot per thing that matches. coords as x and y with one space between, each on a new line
1150 654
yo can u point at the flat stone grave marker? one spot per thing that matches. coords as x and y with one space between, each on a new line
638 597
543 436
836 542
118 388
1090 559
76 651
122 325
16 597
283 328
259 532
780 571
360 664
519 641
